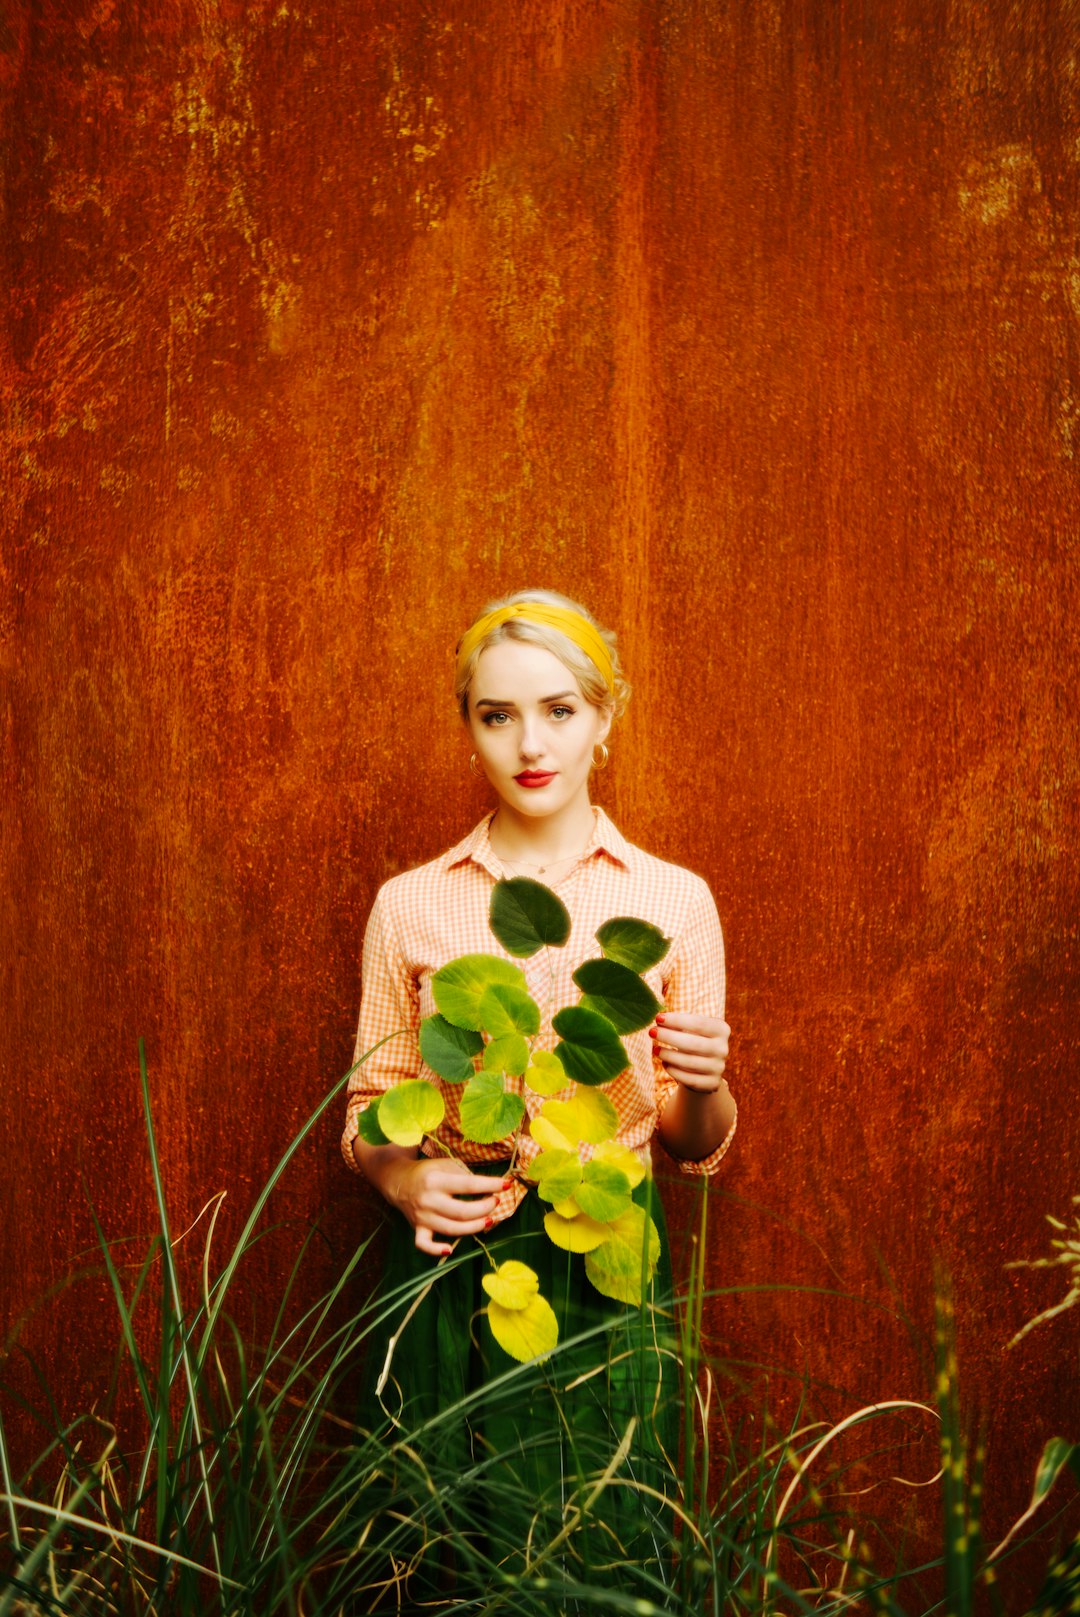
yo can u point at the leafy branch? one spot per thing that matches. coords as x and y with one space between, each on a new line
485 1035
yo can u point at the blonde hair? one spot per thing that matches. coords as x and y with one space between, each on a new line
594 687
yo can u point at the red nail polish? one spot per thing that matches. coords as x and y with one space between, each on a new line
660 1021
488 1222
653 1033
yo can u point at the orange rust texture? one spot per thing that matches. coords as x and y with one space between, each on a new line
755 324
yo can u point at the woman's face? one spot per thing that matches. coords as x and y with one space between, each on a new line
533 730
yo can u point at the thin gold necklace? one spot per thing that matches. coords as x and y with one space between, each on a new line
542 869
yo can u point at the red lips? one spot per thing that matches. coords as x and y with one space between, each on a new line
534 777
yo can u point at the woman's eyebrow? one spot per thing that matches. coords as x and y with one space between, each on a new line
488 701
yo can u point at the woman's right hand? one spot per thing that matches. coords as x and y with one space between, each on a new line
438 1197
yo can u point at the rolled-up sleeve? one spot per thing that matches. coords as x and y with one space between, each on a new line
695 982
390 1012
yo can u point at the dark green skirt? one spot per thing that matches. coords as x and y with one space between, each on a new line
500 1476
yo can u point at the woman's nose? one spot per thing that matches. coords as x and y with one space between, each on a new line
531 745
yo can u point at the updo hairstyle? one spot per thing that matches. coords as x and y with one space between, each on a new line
594 687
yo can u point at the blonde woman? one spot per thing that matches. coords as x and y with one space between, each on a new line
539 688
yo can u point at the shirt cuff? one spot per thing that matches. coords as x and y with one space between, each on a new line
352 1129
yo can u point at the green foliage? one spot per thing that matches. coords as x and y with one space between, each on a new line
488 1112
617 993
410 1110
505 1010
507 1054
367 1126
615 1268
485 1010
546 1074
635 944
459 987
243 1488
589 1048
525 916
558 1174
604 1192
449 1050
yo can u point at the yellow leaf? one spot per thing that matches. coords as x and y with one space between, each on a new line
513 1285
525 1333
580 1234
546 1074
621 1156
567 1209
547 1136
615 1270
589 1115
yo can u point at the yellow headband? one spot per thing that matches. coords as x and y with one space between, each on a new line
568 622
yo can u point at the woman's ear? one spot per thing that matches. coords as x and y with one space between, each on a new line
607 718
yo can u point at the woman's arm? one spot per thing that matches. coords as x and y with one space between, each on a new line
697 1110
701 1111
438 1196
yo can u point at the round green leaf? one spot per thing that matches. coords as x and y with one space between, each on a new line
410 1110
509 1054
578 1234
634 944
588 1116
558 1174
591 1050
368 1126
488 1113
449 1050
617 993
615 1267
604 1191
525 1333
461 984
545 1075
509 1010
525 915
513 1284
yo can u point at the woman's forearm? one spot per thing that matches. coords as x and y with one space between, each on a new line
378 1163
693 1123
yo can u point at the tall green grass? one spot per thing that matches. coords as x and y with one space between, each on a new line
220 1477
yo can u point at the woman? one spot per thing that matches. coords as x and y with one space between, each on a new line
539 686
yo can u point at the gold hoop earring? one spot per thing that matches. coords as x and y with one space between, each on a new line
474 766
602 761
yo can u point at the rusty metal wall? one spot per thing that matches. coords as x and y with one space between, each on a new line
757 325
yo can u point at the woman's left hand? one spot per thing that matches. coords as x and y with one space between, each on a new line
693 1049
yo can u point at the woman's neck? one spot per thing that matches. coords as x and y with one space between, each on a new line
551 840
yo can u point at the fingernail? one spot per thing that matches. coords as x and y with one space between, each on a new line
488 1222
653 1033
660 1021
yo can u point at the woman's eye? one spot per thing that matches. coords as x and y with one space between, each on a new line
492 719
562 712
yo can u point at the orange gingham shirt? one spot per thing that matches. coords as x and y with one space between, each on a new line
425 917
